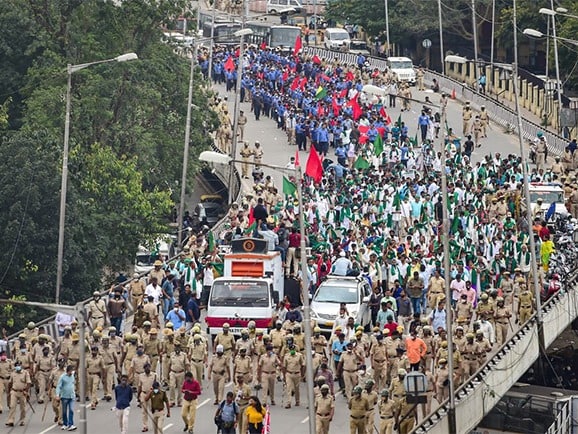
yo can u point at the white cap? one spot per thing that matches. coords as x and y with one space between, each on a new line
220 349
342 253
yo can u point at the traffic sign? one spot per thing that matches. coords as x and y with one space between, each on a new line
426 43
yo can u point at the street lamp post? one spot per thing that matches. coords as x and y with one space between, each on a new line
387 51
241 33
78 311
71 69
218 158
181 215
442 54
475 35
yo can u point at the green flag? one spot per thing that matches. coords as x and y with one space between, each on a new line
378 145
250 229
399 120
211 241
361 163
289 188
397 201
413 140
320 93
455 225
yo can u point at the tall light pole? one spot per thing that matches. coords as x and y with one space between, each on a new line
552 14
217 158
442 54
211 45
533 259
491 81
181 215
388 50
241 33
475 34
71 69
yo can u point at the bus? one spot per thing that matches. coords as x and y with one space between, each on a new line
273 35
223 32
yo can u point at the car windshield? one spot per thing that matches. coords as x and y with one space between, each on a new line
358 46
547 196
143 260
400 64
336 294
249 294
212 211
340 36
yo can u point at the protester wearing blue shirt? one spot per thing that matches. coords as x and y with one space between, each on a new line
65 393
177 316
123 396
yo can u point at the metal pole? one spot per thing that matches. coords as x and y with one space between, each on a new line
211 42
491 80
446 263
236 117
314 21
186 150
533 258
442 55
306 308
558 83
475 34
388 50
63 186
80 317
547 84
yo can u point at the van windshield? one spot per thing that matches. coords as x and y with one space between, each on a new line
547 196
400 64
144 259
250 293
341 36
336 294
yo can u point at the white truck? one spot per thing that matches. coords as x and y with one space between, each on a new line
251 286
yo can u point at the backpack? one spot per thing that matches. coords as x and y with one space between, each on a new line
219 419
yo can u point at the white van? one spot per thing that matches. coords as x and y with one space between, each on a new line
337 39
145 257
403 68
276 6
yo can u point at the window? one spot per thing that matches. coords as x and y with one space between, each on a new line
248 294
547 196
337 294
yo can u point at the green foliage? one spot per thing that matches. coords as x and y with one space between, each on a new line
126 138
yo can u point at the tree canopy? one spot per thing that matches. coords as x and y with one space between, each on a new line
126 138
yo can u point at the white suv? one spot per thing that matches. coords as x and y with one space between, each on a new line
353 291
549 192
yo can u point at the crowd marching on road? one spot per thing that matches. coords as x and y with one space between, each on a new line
373 209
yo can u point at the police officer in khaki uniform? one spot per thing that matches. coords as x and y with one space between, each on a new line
405 416
386 413
246 154
96 311
219 370
324 409
257 153
466 118
168 347
502 315
227 340
6 368
178 364
372 397
359 407
44 366
55 375
145 384
266 373
242 393
111 366
347 368
19 386
94 373
136 289
470 354
526 306
485 119
574 202
378 358
137 364
441 380
242 366
293 365
241 122
198 355
152 347
396 388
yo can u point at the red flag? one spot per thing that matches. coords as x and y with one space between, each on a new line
251 217
381 131
303 83
297 163
320 110
335 106
297 46
349 76
314 168
316 60
363 138
363 129
229 64
266 422
343 93
357 111
325 77
295 83
285 76
237 52
385 116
